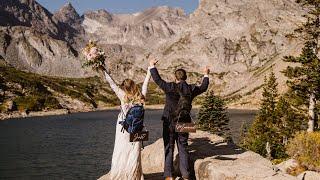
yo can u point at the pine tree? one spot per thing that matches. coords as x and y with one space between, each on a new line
305 78
288 124
290 119
213 115
276 122
263 130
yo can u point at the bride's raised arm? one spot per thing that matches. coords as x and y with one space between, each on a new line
119 92
146 82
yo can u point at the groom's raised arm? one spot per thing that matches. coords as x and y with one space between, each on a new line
165 86
204 85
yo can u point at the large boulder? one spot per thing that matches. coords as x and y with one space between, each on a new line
153 160
243 166
213 159
288 164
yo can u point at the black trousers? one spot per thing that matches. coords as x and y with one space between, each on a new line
169 139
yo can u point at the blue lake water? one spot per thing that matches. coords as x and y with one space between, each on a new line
74 146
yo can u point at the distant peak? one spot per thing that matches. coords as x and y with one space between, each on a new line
68 6
67 13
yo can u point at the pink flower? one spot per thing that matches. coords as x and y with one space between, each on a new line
90 56
85 53
94 50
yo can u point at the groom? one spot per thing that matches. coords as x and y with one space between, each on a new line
169 134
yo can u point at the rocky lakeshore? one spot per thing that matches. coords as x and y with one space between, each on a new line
214 159
17 114
5 116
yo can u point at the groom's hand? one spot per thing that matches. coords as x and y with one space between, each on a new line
206 71
153 62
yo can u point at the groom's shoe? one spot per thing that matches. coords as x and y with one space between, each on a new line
169 178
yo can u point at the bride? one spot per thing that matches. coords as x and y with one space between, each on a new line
126 158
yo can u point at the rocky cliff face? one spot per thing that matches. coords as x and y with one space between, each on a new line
128 38
142 29
27 13
35 40
240 40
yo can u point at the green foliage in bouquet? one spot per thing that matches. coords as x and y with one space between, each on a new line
213 115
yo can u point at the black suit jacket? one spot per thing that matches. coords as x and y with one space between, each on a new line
172 97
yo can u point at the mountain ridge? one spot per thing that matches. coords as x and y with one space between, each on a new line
241 40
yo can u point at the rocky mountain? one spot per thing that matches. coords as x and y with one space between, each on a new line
140 29
128 38
35 40
67 14
27 13
240 40
69 22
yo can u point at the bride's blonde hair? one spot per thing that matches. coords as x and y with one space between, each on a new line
132 90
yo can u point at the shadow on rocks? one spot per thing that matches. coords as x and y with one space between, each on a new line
200 148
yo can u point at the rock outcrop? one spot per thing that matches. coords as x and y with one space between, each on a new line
287 165
212 159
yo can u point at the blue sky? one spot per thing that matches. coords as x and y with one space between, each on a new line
119 6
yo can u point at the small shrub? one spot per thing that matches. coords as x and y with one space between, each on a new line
28 103
2 108
295 171
36 103
278 161
51 103
305 148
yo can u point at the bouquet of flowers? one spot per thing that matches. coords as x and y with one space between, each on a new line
95 56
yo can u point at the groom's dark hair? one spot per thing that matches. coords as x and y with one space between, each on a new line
180 74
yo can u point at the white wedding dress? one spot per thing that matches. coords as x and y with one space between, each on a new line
126 158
